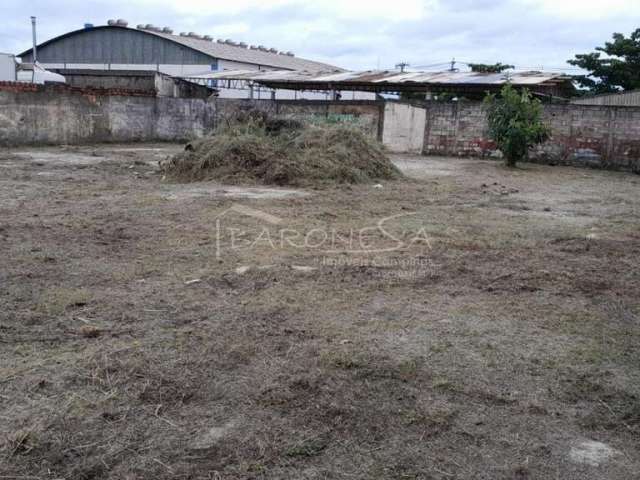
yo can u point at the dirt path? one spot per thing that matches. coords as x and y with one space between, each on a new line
468 322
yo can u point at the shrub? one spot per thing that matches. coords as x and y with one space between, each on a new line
514 123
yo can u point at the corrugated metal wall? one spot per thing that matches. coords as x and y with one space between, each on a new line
120 46
628 99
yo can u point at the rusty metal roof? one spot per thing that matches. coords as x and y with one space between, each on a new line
380 81
390 78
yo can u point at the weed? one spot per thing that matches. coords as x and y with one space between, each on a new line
430 420
55 301
308 448
20 442
90 331
606 406
445 385
408 369
343 360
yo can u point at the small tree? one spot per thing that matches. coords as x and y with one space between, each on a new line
485 68
514 123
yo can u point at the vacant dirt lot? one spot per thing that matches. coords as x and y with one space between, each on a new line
469 322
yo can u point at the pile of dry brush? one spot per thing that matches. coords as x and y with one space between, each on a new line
257 149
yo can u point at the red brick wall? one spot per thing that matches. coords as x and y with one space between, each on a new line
63 88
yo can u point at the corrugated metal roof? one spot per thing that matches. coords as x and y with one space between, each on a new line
246 55
223 51
390 77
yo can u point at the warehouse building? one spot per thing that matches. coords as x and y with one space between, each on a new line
160 84
116 46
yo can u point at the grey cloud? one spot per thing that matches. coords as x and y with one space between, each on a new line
470 30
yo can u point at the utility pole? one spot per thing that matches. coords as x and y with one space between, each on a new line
33 33
402 66
453 65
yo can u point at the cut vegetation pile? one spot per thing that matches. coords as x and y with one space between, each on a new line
283 152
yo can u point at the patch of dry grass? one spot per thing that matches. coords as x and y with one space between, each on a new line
302 154
517 343
57 300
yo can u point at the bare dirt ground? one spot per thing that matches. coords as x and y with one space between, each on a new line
483 325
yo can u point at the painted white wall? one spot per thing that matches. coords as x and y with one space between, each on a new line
7 67
38 74
403 128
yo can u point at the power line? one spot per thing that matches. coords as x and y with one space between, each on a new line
517 67
402 66
432 65
442 67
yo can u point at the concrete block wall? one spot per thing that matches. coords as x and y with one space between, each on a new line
31 115
364 114
456 129
59 114
581 135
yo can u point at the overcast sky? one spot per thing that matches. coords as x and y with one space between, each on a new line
357 34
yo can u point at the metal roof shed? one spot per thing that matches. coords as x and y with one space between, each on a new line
381 81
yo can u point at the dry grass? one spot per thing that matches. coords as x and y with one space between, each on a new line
513 341
57 300
283 153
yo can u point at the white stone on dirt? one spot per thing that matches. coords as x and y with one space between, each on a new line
592 453
266 267
303 268
211 437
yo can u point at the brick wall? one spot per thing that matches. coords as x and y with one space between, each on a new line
582 135
61 88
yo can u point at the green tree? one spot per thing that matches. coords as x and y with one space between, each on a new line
485 68
515 123
618 69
